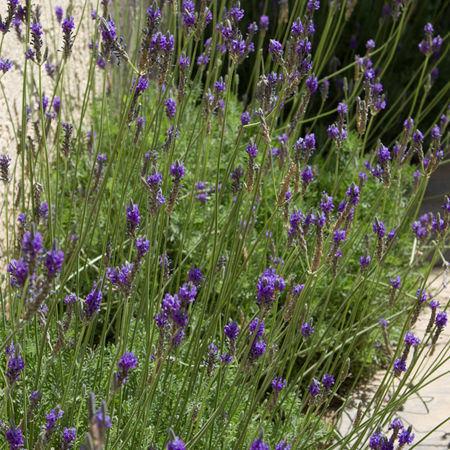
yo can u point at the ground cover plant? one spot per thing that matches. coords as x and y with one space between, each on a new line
224 239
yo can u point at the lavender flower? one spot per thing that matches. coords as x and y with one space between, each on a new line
175 442
405 437
307 330
133 219
441 319
14 437
245 118
32 244
156 199
5 65
399 366
283 445
170 105
142 246
187 293
92 302
59 12
68 26
328 381
314 389
178 171
231 331
411 340
36 42
188 14
396 283
53 261
51 420
264 23
258 444
307 177
69 435
195 276
5 175
56 104
268 286
15 365
126 363
18 271
430 45
276 49
278 384
210 362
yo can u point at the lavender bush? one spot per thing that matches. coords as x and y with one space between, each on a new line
209 253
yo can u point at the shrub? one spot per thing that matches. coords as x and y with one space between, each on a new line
223 233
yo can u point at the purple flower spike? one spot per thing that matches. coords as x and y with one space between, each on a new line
170 105
54 262
396 283
59 13
405 437
364 262
252 149
257 326
141 86
245 118
441 319
384 155
177 170
126 362
70 299
175 442
15 366
278 384
434 304
93 300
142 246
312 84
258 444
187 293
275 47
18 271
307 330
399 365
307 175
410 339
269 285
328 381
314 388
69 435
379 229
133 214
32 245
283 445
195 276
5 65
68 25
264 22
14 437
51 419
231 331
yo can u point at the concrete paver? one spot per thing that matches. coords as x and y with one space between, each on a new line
432 404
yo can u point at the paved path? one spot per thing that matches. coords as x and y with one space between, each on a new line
432 406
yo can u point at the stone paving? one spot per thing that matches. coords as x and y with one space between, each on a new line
432 404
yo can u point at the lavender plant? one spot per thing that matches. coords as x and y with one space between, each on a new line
209 244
